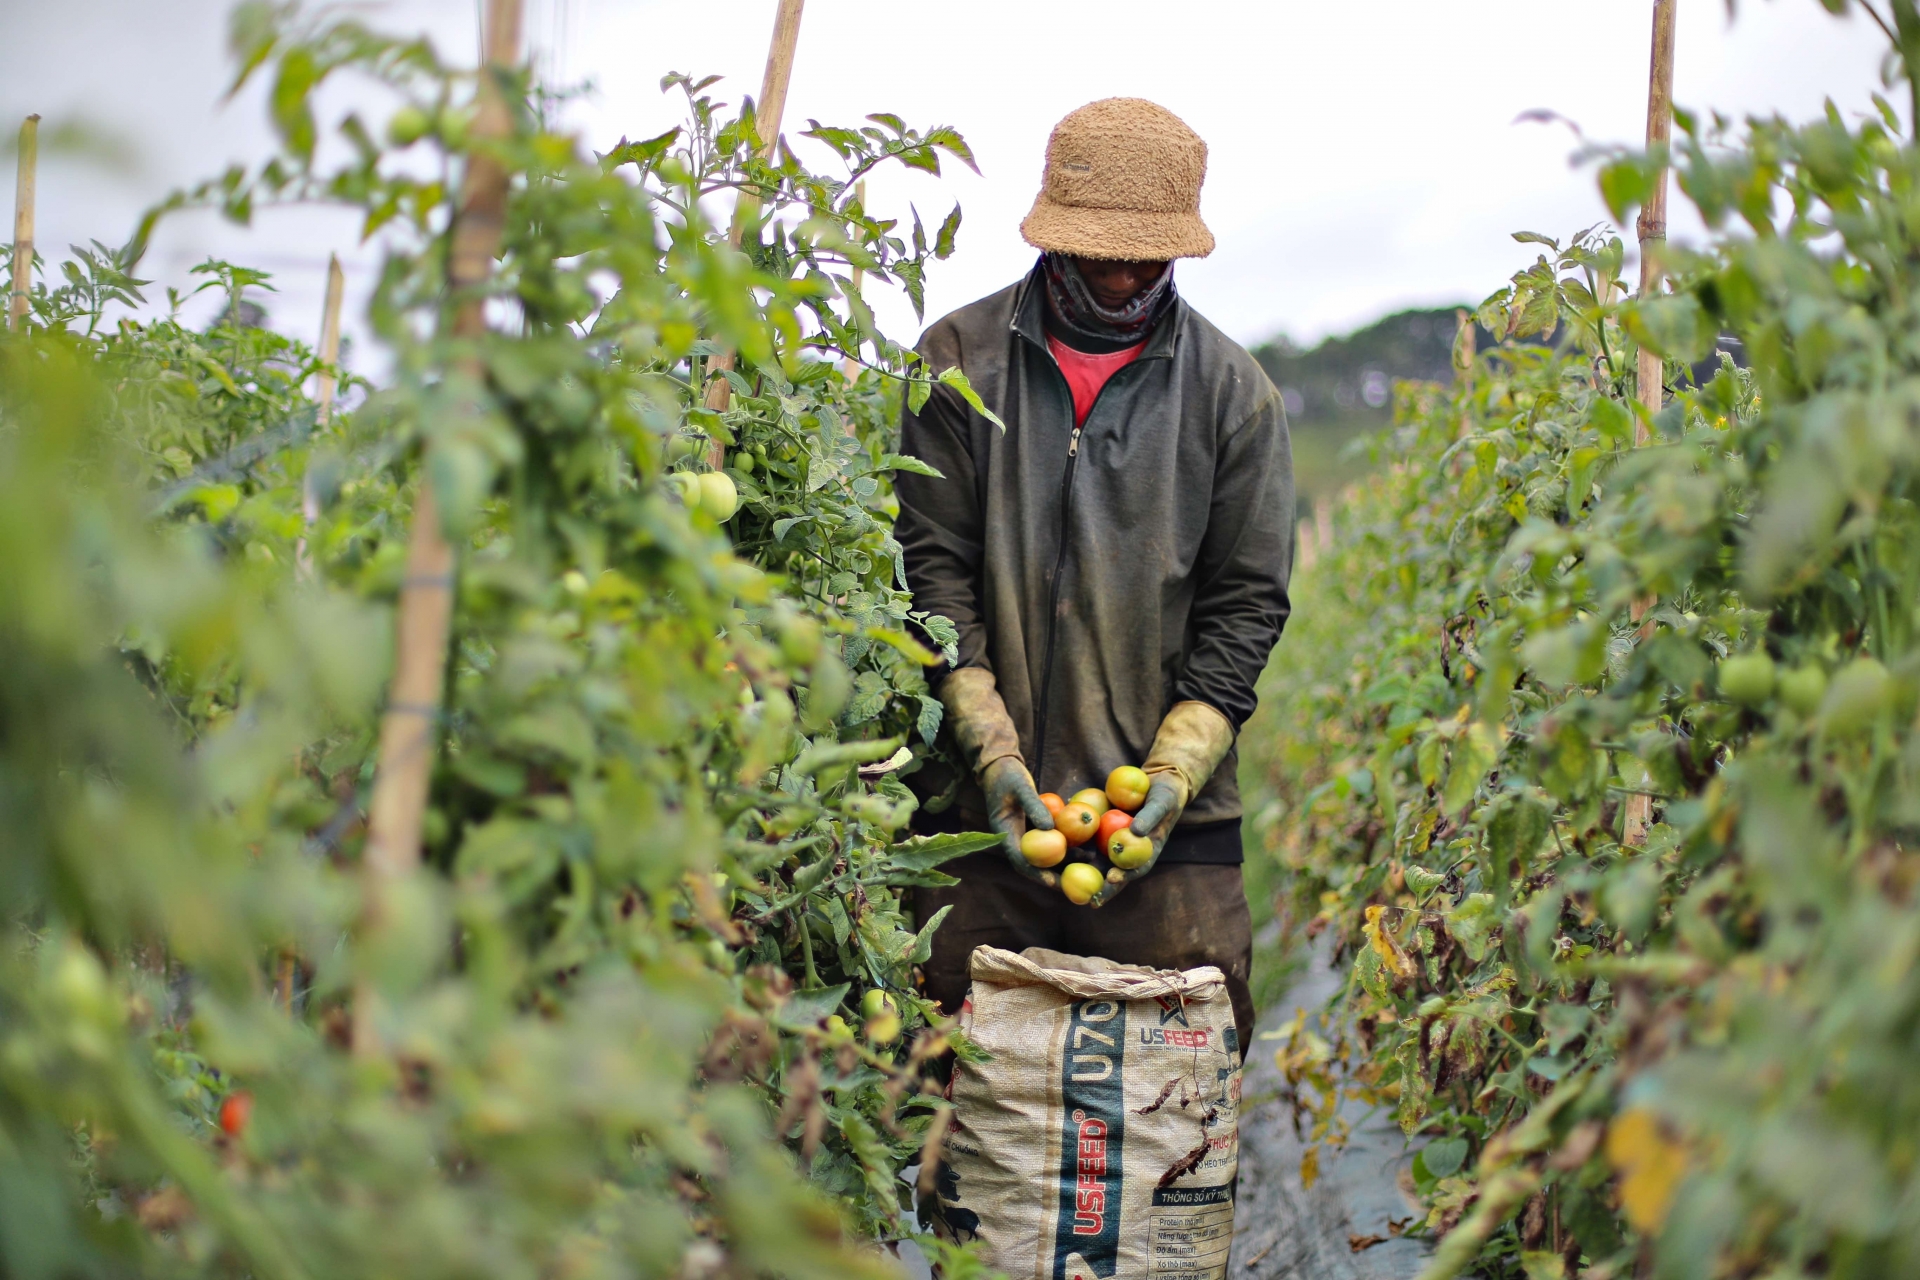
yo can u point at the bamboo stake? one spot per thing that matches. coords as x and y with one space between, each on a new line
772 105
1653 237
408 728
1653 216
329 357
23 193
330 336
426 598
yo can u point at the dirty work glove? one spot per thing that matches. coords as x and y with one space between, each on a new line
991 746
1193 740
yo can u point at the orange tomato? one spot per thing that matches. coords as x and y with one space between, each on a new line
1077 823
1054 804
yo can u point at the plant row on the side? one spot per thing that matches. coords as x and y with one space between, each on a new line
1603 779
658 947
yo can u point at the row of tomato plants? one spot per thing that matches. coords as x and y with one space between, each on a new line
647 1008
1683 1049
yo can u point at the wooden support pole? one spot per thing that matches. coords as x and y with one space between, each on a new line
328 384
767 113
23 192
330 337
1653 216
409 728
1653 237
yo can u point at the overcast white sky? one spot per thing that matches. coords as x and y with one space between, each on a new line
1364 155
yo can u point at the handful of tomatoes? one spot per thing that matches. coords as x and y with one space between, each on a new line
1096 815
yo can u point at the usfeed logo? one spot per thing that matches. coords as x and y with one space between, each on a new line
1087 1225
1090 1187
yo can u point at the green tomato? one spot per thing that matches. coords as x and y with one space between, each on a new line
719 497
800 641
454 129
685 485
680 448
837 1027
1853 702
877 1003
743 463
408 125
1802 688
1747 678
884 1029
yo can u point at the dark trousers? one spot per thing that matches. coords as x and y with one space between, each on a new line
1176 917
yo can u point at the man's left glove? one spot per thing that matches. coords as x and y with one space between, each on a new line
1193 739
985 734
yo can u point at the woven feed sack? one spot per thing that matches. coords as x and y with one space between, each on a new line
1101 1138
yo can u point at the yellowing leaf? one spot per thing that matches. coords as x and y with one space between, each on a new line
1392 957
1310 1168
1649 1165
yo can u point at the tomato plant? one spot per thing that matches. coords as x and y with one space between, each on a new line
1680 1047
604 1027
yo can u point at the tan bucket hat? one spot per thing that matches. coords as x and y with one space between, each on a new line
1122 183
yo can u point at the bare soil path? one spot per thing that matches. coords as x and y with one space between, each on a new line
1286 1231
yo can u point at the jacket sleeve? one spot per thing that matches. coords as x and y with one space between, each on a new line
1240 603
939 529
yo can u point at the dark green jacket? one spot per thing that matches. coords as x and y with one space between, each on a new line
1105 577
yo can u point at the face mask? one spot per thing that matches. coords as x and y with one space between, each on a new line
1079 313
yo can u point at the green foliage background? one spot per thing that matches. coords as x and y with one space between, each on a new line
616 1024
1688 1051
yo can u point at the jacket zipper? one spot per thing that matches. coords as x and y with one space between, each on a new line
1060 566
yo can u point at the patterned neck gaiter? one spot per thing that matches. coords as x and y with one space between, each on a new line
1081 320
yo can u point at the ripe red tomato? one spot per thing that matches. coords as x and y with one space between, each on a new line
1111 821
235 1110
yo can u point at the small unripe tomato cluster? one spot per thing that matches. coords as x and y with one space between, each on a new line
1844 705
710 491
1101 816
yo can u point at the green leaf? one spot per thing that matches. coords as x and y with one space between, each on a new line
1625 184
943 239
923 941
1673 325
952 377
827 756
803 1009
927 723
902 462
1474 753
290 101
1472 923
1444 1156
922 853
1570 655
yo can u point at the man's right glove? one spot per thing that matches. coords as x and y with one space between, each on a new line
1193 739
991 745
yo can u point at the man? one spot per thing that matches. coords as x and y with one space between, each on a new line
1115 561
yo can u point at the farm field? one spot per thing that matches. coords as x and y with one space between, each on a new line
459 825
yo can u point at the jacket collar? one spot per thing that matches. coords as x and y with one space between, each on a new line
1030 319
